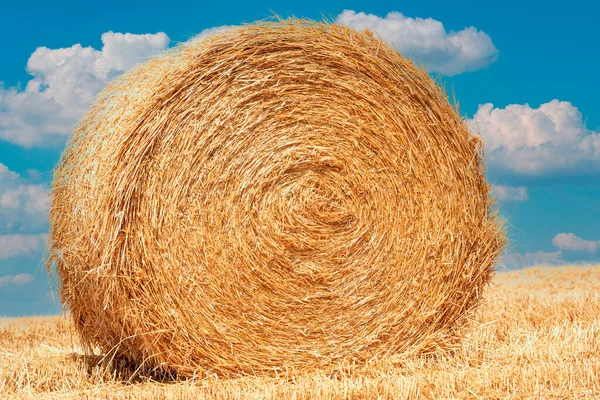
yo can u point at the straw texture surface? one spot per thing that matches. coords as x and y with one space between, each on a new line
287 194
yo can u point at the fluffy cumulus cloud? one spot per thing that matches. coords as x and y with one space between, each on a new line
428 42
509 193
23 206
552 138
568 241
17 280
65 82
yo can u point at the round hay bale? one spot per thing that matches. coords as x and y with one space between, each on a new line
285 194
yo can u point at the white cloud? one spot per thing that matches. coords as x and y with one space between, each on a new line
17 280
65 81
122 51
23 206
552 138
568 241
509 193
427 41
21 245
64 84
543 258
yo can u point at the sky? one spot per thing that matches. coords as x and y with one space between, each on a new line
525 74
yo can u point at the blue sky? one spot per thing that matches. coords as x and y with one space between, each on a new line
524 73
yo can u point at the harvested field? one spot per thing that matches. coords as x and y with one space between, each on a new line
537 336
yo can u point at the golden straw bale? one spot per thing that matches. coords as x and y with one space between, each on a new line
287 194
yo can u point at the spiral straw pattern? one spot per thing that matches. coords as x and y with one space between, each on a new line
284 194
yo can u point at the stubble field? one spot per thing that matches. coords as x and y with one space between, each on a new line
537 336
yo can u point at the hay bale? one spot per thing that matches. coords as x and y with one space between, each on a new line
284 194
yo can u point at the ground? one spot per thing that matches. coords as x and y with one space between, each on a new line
537 336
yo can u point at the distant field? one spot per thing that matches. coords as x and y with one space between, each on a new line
538 336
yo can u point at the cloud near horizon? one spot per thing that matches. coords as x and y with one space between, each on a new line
563 242
511 259
543 258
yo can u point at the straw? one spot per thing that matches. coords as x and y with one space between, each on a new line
276 196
